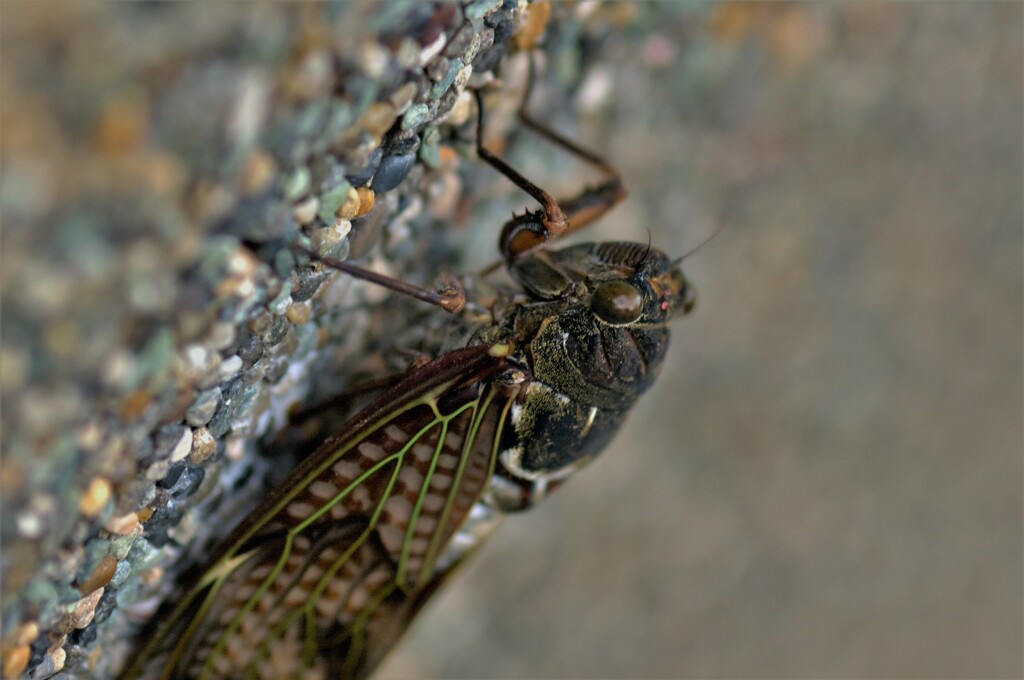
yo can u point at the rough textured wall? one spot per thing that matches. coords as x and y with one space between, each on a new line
160 163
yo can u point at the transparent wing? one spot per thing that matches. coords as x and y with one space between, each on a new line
324 576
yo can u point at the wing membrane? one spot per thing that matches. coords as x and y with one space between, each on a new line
320 580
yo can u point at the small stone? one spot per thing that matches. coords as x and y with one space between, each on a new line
481 8
330 242
257 173
84 609
299 312
276 332
235 448
122 545
446 80
173 442
221 335
415 117
306 211
430 51
298 184
27 633
537 15
430 152
350 207
439 68
378 118
100 576
251 350
16 659
403 97
334 199
203 445
95 497
363 169
183 480
122 524
203 407
52 663
229 368
260 323
284 300
392 170
157 470
366 197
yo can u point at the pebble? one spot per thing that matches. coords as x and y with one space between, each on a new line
52 663
331 201
350 208
203 407
392 170
203 445
298 184
299 312
430 51
481 8
16 659
173 442
306 211
95 498
378 118
415 117
366 198
100 576
122 524
229 368
257 173
403 97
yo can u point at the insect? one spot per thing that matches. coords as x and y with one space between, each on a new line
323 578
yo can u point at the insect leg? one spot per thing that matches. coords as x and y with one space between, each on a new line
450 297
530 231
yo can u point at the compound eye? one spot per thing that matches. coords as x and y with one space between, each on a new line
617 302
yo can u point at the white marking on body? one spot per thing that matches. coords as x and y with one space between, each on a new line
294 597
395 433
392 537
259 573
371 450
447 461
346 469
360 497
300 510
426 524
433 502
423 452
358 599
398 509
440 482
323 490
410 477
453 440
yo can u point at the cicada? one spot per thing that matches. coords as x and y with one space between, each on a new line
324 576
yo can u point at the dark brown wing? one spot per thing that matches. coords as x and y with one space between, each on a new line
323 577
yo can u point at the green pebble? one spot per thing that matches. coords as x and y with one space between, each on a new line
415 116
331 200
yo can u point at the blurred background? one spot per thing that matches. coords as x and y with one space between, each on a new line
826 481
